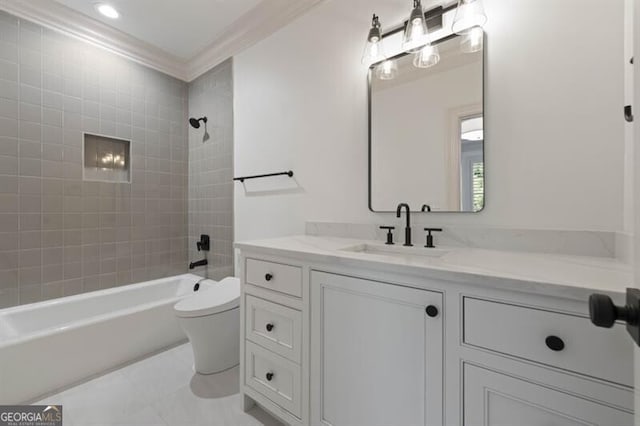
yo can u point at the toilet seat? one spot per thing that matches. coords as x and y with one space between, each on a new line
224 295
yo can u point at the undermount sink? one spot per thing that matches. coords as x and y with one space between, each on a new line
397 251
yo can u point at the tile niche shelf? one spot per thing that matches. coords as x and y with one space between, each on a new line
106 159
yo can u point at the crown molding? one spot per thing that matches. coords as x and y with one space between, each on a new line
255 25
58 17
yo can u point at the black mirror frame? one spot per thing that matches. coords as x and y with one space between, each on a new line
369 125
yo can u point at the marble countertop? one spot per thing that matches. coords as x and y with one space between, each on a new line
574 277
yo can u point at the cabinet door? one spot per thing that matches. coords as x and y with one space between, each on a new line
495 399
376 354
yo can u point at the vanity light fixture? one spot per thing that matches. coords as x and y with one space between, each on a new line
107 10
416 34
388 70
373 51
469 15
427 57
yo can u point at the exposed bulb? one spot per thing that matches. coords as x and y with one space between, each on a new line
373 51
388 70
416 34
469 14
427 57
472 41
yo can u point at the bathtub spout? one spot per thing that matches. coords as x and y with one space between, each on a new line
202 262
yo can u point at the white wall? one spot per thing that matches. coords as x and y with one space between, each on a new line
629 70
554 128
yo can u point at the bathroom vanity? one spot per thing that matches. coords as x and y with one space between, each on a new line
347 332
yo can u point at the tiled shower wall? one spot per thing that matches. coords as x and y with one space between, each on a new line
60 235
211 170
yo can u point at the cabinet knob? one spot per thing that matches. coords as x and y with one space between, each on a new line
268 277
269 376
432 311
554 343
270 327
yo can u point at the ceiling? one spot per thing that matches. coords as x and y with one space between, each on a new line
182 38
181 28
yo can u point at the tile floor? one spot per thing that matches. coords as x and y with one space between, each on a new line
161 390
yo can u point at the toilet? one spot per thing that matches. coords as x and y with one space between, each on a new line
211 321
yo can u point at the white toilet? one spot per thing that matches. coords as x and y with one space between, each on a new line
211 320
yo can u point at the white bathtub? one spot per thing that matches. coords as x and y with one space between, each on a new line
50 345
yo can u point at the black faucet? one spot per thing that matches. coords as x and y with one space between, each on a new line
407 230
426 208
203 245
202 262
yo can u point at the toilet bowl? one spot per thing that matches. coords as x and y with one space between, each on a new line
211 321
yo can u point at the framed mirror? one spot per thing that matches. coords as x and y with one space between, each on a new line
426 131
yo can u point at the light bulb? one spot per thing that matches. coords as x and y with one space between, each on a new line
416 34
373 51
427 57
472 41
469 14
388 70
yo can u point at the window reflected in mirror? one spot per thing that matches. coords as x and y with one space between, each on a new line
472 163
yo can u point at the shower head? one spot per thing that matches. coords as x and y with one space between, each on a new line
195 122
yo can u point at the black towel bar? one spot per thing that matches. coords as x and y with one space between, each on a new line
243 178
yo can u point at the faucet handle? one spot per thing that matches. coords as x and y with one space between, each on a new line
204 244
430 237
389 230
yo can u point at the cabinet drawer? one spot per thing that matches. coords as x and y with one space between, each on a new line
274 377
275 276
276 327
532 333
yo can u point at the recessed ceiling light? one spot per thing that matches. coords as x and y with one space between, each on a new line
107 10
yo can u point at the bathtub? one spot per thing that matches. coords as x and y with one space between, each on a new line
50 345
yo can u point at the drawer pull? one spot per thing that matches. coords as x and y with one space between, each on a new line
268 277
432 311
270 327
269 376
554 343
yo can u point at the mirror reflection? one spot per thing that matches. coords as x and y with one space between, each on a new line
427 130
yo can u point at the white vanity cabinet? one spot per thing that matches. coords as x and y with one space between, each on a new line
328 341
571 373
274 338
499 399
376 353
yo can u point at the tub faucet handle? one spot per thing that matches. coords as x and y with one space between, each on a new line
204 244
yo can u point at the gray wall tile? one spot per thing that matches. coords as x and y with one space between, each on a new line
211 169
60 235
